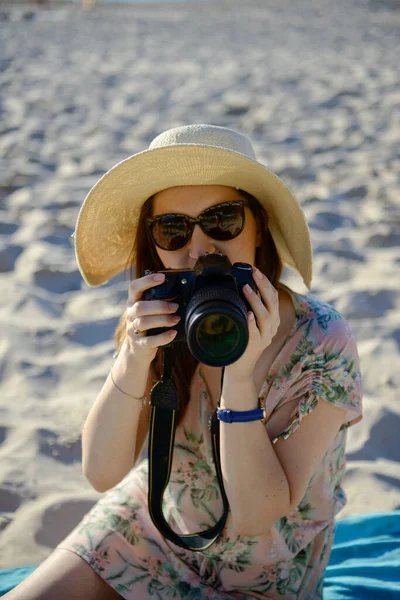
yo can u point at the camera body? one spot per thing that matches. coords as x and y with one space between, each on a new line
212 307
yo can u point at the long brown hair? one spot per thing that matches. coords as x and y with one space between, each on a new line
266 259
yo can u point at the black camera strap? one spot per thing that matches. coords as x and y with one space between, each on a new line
163 419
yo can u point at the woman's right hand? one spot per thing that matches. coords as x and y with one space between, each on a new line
148 314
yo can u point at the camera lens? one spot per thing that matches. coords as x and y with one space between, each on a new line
218 336
216 326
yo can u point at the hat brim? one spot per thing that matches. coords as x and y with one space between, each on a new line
107 221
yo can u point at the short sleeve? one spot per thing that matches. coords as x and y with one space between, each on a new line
331 372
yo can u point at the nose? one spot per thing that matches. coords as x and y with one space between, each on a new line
200 243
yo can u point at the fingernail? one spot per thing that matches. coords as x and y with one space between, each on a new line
173 305
159 277
258 274
251 316
248 289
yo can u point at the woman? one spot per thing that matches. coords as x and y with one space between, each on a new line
282 475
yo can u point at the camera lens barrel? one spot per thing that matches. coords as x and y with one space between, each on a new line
216 326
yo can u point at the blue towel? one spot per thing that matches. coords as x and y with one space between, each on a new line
364 563
10 578
365 559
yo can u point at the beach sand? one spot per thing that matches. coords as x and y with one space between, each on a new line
314 84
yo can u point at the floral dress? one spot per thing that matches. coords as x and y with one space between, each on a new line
319 361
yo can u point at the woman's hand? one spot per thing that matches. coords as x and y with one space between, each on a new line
148 314
263 322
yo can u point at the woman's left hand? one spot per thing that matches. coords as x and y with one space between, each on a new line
263 326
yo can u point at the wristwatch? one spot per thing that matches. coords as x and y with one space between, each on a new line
235 416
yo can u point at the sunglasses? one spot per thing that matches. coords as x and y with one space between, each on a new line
222 222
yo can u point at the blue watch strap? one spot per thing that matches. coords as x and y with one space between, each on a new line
232 416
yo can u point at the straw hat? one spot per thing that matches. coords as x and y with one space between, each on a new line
189 155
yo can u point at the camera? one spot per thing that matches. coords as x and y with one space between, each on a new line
212 307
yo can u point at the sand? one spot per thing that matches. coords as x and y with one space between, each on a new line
313 83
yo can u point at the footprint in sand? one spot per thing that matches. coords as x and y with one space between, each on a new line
59 520
66 453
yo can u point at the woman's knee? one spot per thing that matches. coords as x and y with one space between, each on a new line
63 575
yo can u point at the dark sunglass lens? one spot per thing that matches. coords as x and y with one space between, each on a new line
170 233
225 222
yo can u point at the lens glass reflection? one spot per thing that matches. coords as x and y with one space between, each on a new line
217 336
